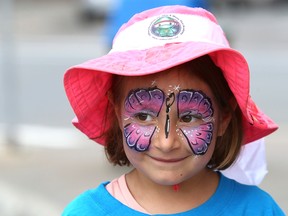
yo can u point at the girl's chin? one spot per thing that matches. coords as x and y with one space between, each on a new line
168 180
171 178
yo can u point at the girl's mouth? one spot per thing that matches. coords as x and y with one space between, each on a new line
168 160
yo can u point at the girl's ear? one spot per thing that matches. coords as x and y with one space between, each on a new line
226 117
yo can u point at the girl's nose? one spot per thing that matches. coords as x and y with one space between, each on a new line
165 140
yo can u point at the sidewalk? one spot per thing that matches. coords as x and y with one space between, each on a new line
40 181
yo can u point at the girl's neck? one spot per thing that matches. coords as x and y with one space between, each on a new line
190 194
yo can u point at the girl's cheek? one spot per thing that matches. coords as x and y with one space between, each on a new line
137 132
198 138
138 137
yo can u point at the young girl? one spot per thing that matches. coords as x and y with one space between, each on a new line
172 100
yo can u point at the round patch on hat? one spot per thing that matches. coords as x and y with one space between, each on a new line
166 27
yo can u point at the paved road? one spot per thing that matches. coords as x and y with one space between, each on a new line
40 181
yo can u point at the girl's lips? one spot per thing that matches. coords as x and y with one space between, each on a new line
168 160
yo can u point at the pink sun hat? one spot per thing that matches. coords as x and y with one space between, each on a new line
151 42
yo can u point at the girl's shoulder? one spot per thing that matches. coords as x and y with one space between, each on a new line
248 199
98 202
86 203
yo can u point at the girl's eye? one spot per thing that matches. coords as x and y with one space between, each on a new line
186 118
145 117
189 118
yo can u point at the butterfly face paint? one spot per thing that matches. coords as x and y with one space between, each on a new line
169 102
142 106
195 112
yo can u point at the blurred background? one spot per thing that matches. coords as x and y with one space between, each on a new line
44 161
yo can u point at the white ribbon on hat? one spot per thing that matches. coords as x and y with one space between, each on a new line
195 28
250 167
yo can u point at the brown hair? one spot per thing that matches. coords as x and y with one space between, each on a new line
227 147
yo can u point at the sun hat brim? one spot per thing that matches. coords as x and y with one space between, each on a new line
87 84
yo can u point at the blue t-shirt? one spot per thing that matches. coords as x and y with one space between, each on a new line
230 198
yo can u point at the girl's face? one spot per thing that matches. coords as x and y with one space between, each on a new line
170 122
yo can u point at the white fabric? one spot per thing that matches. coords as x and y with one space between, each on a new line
195 28
251 167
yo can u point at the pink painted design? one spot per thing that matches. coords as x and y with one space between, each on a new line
199 137
196 102
144 99
197 105
148 102
138 137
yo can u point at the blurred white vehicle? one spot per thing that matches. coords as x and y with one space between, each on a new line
96 9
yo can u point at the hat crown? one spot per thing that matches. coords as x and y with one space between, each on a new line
168 24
